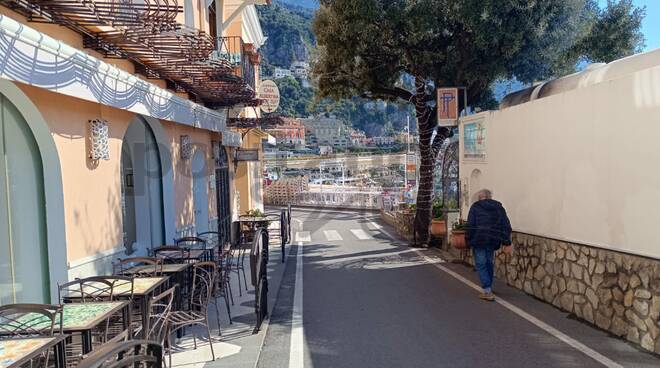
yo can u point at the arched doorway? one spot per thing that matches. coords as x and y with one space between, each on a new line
200 191
23 235
142 188
222 192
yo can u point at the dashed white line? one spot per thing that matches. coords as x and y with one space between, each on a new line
296 351
303 236
332 235
360 234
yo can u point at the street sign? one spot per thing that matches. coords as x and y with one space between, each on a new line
246 154
269 95
447 106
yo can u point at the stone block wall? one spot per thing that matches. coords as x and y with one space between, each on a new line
615 291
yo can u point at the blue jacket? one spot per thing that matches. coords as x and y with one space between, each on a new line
488 225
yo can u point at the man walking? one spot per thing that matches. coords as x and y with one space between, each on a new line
488 229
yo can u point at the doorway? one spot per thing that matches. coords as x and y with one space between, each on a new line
200 191
23 245
142 188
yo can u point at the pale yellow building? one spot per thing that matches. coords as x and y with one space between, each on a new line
113 145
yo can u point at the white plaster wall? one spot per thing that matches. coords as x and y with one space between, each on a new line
580 166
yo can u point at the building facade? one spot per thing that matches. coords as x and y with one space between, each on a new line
122 143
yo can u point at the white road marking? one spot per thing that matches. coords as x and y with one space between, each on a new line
537 322
607 362
375 226
303 236
360 234
332 235
298 222
296 351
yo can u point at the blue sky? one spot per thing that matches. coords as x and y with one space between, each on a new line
651 23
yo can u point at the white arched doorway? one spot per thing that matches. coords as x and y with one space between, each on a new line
475 185
24 269
200 191
142 188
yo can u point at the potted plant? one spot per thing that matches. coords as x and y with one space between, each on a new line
458 230
439 222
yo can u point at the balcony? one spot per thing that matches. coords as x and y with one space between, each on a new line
217 73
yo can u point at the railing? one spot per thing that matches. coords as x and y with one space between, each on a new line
233 49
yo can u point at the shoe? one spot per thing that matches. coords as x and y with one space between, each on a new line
487 296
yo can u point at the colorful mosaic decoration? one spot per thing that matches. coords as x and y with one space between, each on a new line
78 316
141 285
12 351
99 140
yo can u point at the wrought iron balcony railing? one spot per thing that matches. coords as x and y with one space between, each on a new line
146 32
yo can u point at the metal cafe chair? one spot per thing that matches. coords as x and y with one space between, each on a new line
149 266
204 279
223 286
212 238
127 354
27 320
160 307
172 254
192 242
97 289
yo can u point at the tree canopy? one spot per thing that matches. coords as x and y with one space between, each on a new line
366 45
404 49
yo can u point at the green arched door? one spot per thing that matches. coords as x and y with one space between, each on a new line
23 246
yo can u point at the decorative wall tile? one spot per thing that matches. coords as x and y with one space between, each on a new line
99 149
186 147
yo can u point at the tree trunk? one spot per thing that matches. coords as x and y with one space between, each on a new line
429 146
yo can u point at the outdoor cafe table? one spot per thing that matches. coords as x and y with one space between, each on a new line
178 273
143 289
195 255
249 224
82 318
17 352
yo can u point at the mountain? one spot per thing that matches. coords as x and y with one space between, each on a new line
287 24
310 4
289 33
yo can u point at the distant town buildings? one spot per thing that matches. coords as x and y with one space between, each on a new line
298 69
290 132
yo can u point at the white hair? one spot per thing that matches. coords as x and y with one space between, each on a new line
485 194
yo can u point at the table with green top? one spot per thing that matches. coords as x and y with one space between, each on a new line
20 351
82 318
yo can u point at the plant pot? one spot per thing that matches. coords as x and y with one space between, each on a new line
458 239
438 227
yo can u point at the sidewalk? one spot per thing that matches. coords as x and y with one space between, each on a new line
237 346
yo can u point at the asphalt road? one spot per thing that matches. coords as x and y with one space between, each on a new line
361 299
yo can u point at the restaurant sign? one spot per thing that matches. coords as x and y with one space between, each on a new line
447 106
269 95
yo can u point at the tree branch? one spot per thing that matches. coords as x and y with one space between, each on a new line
394 92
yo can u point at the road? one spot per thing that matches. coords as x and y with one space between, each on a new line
356 298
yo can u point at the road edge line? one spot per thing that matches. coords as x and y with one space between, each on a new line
575 344
296 347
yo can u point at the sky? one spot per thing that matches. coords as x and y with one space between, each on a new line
651 23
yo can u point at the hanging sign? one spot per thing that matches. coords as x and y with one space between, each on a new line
447 106
246 154
269 95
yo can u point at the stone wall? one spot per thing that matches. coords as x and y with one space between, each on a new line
402 222
617 292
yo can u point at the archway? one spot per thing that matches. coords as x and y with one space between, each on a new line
24 269
142 188
200 191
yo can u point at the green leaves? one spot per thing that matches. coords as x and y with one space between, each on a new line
367 45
